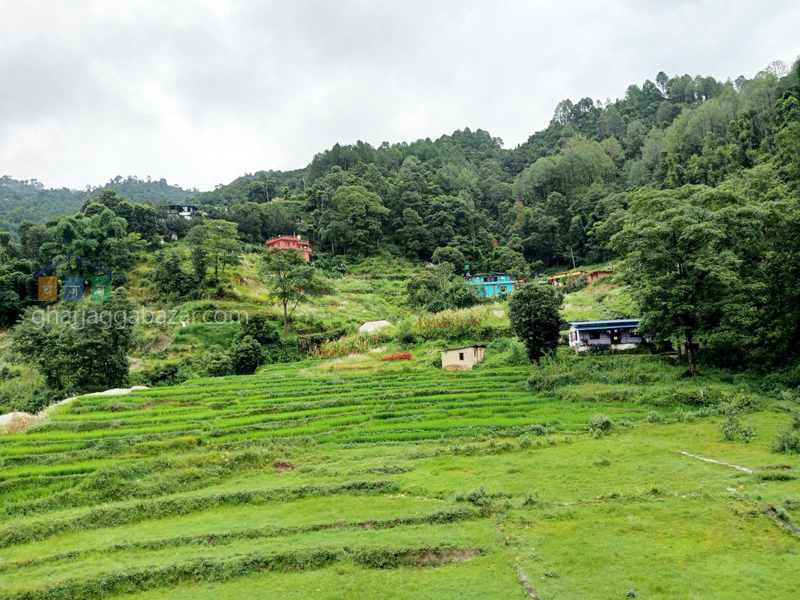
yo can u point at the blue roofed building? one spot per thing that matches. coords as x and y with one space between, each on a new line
615 334
491 285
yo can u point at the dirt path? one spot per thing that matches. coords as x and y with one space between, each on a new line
718 462
17 422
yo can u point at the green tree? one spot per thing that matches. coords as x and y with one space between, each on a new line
199 264
535 319
85 352
260 329
437 288
219 241
692 253
355 220
169 275
414 235
144 221
507 260
451 255
246 356
289 277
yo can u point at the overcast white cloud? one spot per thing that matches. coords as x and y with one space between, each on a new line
200 92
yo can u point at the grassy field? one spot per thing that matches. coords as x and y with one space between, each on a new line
361 478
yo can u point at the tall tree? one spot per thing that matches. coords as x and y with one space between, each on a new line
535 318
692 254
355 220
289 277
219 241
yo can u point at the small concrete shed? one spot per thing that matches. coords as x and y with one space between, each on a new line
373 326
462 359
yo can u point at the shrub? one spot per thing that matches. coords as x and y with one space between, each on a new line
599 425
7 373
309 344
775 476
550 573
283 352
525 442
786 442
246 356
733 431
214 363
405 334
358 344
260 329
654 417
165 373
478 497
782 380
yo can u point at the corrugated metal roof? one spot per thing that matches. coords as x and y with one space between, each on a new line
630 326
604 324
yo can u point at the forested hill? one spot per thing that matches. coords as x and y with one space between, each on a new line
564 190
557 198
30 200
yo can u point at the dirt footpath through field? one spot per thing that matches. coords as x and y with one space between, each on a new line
17 422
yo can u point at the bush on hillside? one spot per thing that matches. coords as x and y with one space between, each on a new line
284 351
214 363
246 356
599 425
164 373
786 442
356 344
261 329
734 431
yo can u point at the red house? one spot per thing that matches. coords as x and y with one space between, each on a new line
595 275
290 242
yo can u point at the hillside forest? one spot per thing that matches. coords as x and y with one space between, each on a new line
689 186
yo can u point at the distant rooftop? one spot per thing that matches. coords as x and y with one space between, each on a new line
605 323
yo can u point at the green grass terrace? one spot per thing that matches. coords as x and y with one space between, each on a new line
361 478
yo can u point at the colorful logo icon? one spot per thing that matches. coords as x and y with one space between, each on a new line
73 286
48 289
101 288
73 289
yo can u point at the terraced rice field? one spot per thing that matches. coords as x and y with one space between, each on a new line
365 479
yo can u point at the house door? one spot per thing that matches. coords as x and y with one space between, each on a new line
615 337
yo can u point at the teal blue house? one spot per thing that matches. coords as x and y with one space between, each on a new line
490 285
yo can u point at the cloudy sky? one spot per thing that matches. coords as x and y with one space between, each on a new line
199 92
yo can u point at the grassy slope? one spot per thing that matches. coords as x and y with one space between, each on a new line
367 293
347 479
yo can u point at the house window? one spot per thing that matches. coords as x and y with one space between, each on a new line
594 335
460 356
